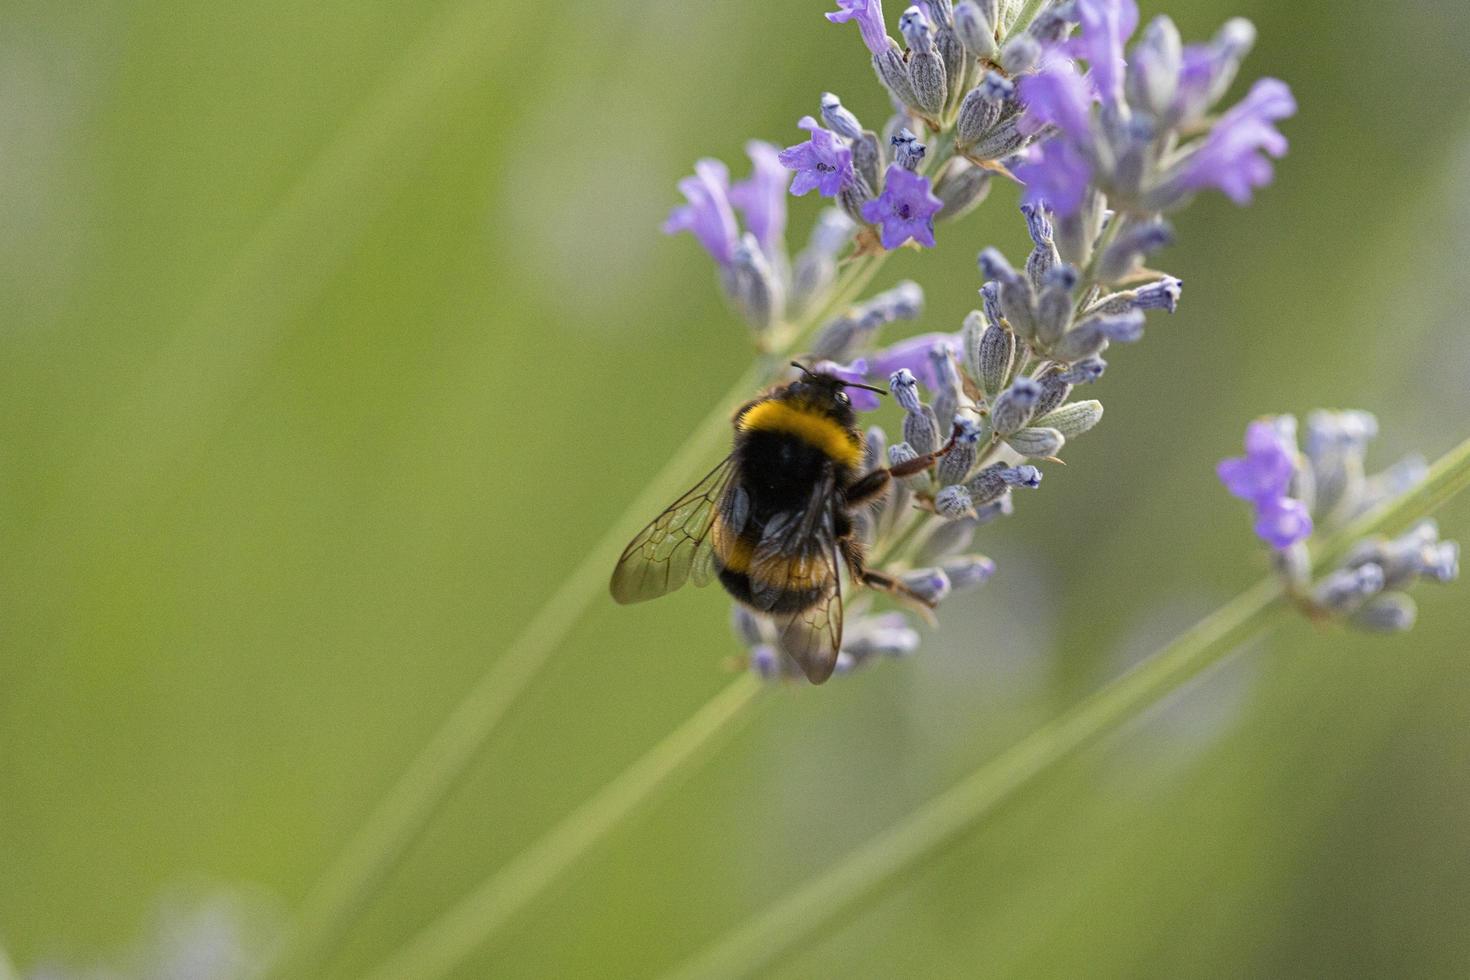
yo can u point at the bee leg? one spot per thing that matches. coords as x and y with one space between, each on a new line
852 553
869 487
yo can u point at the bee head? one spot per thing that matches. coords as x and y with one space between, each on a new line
824 393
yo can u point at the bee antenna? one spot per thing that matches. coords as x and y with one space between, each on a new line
859 384
801 367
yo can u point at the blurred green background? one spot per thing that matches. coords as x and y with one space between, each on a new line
333 333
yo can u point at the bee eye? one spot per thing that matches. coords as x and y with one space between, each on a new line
842 398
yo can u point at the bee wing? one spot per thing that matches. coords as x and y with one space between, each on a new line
675 547
798 553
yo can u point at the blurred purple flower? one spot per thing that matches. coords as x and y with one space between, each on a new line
708 215
1058 96
914 354
905 209
823 162
1055 174
1229 158
869 16
1282 522
762 196
1265 471
1105 25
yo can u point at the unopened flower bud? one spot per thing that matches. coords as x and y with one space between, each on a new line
1037 443
961 187
953 503
905 389
975 32
908 152
839 118
1392 612
1013 408
929 584
1020 54
1074 419
955 465
968 573
1055 303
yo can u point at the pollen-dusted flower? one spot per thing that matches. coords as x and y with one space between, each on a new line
1233 158
823 162
869 17
708 215
762 196
905 210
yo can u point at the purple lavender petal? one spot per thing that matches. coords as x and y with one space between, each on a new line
708 215
913 353
1265 472
1230 157
762 196
823 163
1057 95
1283 522
1055 174
1105 25
905 210
869 16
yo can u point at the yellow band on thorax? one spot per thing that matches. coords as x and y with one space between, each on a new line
807 424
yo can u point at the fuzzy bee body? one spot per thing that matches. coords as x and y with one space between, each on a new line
772 522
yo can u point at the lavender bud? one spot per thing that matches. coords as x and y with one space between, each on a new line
1017 302
1441 562
968 573
1002 506
926 75
997 351
1020 54
1092 335
988 485
903 453
981 108
961 187
975 32
908 152
1054 305
753 286
954 503
905 389
949 537
951 53
1043 257
1051 25
955 465
929 584
1074 419
749 628
867 162
1153 68
1037 443
1025 475
1054 391
1000 142
1160 295
1345 589
941 12
1127 252
1085 371
1013 408
921 430
1392 612
914 27
839 118
893 72
816 266
765 661
885 635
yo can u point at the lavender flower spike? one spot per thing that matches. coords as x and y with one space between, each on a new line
823 162
708 215
762 196
869 16
905 210
1230 157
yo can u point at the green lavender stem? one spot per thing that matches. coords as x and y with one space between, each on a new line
411 804
905 847
456 934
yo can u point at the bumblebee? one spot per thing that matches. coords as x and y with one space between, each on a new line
773 522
